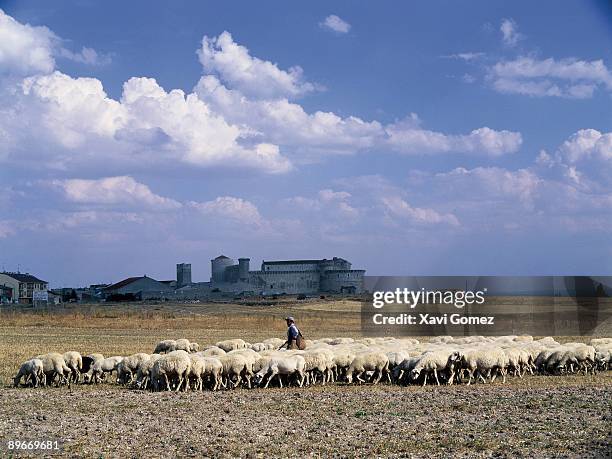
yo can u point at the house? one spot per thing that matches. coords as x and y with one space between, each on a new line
24 287
137 288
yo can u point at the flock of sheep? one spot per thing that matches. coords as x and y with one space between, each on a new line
181 365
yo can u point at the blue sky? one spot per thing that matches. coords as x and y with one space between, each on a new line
410 138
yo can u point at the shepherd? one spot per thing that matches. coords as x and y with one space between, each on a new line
295 339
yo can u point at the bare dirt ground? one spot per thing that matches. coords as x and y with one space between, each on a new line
538 416
535 417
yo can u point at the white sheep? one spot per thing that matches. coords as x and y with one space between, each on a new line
143 375
485 362
101 367
368 361
236 367
54 365
213 369
74 361
31 370
197 370
175 364
183 345
277 366
231 344
435 362
211 351
129 365
87 367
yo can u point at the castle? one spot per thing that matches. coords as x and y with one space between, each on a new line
286 277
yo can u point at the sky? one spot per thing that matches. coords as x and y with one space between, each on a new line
411 138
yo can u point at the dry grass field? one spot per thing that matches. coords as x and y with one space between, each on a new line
537 416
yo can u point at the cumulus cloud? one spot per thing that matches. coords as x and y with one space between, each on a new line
491 183
121 191
252 76
28 50
587 143
333 203
72 122
569 78
510 34
228 207
408 137
398 207
335 23
288 124
25 49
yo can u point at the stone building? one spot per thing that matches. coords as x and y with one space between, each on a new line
23 287
286 276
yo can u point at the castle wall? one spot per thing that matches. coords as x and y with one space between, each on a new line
288 282
342 281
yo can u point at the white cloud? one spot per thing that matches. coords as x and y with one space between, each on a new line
73 123
334 204
237 209
490 183
570 78
397 207
587 143
335 23
87 56
289 125
468 56
406 137
121 191
252 76
29 50
510 34
25 49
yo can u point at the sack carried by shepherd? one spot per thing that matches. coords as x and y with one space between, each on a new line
300 341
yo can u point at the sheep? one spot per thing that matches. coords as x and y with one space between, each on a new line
404 368
31 370
143 375
236 366
277 366
565 357
211 351
87 367
434 362
259 347
165 346
197 370
274 343
101 367
342 359
485 360
185 345
54 365
74 361
231 344
368 361
317 361
129 365
175 364
213 368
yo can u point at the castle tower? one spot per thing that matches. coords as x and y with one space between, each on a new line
243 268
183 274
